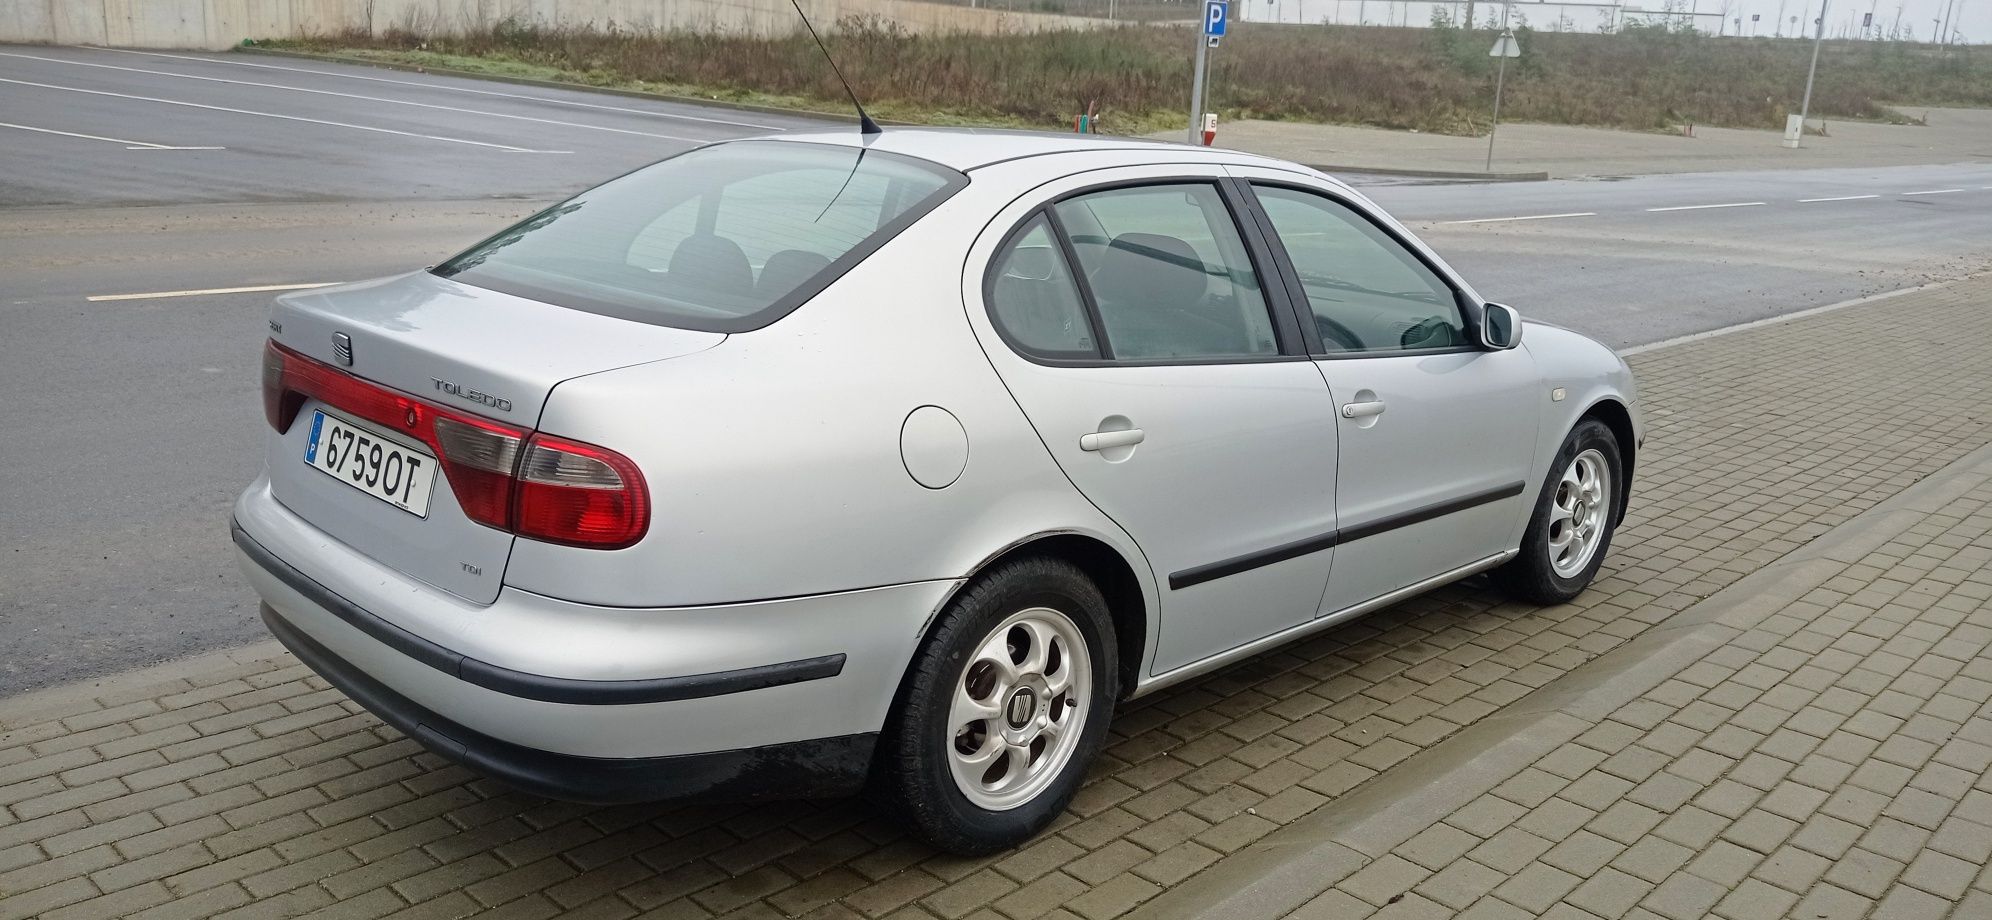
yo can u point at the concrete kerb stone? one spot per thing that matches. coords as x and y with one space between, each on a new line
1304 859
91 694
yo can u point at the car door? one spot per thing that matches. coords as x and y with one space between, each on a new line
1437 434
1128 315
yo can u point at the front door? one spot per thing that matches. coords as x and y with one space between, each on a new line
1129 317
1437 435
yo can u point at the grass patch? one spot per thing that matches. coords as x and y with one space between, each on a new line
1438 79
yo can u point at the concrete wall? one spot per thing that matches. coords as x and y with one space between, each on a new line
215 24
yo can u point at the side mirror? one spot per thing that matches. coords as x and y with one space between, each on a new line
1500 327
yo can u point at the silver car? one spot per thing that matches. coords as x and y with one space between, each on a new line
793 467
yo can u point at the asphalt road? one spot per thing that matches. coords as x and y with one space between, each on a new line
128 425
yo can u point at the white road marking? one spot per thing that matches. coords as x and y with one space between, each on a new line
1933 191
1704 207
458 89
228 290
129 145
1788 317
1496 220
327 92
315 121
1841 198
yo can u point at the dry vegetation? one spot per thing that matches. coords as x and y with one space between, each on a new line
1437 79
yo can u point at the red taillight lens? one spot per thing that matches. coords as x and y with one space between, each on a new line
580 495
280 401
478 459
534 485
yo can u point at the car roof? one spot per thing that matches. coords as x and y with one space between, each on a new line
967 149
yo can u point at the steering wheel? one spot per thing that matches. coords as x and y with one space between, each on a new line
1425 332
1335 333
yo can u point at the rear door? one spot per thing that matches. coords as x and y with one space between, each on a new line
1437 435
469 350
1127 313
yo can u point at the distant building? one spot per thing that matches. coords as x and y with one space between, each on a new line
1545 16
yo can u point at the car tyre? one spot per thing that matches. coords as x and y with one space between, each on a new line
979 757
1576 514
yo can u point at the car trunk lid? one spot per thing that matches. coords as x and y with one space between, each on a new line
464 350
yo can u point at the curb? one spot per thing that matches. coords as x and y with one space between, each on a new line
1432 173
547 84
91 693
1288 868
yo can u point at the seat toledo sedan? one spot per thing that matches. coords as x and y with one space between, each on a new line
802 466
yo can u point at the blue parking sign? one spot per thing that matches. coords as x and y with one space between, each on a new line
1215 15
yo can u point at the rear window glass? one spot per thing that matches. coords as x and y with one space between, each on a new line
724 238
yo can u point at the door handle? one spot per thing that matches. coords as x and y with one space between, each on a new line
1106 440
1362 409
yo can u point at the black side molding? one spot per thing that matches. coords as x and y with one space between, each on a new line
536 686
817 768
1281 553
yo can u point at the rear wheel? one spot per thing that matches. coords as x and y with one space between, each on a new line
1574 519
1006 705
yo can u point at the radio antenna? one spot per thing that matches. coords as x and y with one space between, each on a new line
865 123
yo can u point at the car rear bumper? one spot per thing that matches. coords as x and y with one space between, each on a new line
820 767
780 698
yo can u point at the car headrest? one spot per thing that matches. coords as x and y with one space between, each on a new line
1153 271
712 263
785 270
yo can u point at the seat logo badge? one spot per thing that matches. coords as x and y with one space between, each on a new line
1023 705
342 348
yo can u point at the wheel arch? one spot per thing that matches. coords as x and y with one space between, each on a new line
1110 571
1616 417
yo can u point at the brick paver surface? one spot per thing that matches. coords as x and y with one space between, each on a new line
253 790
1829 762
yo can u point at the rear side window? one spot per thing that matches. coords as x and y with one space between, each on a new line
725 238
1169 273
1033 297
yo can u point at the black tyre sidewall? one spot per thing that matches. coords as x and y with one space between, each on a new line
917 742
1531 575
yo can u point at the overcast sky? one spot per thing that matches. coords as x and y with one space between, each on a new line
1972 17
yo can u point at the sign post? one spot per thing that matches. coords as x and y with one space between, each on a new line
1792 140
1505 47
1215 16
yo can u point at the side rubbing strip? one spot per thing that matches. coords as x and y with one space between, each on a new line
1421 515
1213 571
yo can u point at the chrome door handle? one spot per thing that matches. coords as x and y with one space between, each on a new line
1105 440
1362 409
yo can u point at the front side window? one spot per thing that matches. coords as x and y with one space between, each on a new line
1367 292
1168 273
724 238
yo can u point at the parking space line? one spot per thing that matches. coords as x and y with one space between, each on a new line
315 121
155 295
456 89
128 145
327 92
1840 198
1704 207
1496 220
1933 191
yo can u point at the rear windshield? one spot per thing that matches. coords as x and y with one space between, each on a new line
724 238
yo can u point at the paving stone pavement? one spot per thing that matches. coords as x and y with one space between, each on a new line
1828 759
239 785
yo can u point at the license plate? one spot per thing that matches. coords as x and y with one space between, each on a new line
368 461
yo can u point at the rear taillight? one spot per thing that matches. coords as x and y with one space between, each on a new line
580 495
534 485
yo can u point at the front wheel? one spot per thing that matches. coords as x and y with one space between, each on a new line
1575 516
1005 707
